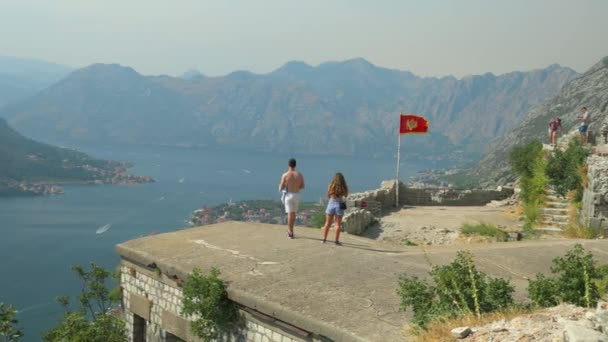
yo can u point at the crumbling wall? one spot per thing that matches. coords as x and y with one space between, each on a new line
357 220
594 210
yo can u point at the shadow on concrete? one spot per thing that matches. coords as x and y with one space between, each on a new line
351 245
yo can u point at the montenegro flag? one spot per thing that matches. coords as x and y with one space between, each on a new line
413 124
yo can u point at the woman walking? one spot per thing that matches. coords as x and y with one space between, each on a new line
336 192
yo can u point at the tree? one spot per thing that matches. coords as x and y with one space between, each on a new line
8 324
92 321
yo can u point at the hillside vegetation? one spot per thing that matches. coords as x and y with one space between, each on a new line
24 161
590 90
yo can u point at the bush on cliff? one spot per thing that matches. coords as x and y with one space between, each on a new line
579 281
91 321
205 298
9 332
458 289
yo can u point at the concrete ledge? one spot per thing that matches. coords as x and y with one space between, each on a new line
343 293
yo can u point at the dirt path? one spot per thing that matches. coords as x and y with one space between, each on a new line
437 225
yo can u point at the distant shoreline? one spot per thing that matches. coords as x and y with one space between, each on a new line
113 175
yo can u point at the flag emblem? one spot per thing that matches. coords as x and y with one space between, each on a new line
413 124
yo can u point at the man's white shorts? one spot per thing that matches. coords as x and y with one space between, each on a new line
292 201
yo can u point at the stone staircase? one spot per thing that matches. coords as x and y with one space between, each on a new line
555 213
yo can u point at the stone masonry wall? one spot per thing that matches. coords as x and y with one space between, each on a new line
385 195
594 211
157 299
357 220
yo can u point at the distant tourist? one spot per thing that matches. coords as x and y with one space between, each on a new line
555 127
585 118
292 182
336 192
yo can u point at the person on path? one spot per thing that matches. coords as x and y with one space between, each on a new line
555 126
336 192
585 118
292 182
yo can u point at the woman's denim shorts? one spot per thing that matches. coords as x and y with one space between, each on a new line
333 208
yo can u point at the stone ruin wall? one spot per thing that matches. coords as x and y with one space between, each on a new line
153 297
356 220
594 210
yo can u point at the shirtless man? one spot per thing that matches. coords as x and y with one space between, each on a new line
292 182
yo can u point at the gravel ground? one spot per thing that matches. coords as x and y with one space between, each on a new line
437 225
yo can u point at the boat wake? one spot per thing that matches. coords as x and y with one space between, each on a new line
103 228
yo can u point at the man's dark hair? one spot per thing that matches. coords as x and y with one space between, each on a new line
584 108
292 163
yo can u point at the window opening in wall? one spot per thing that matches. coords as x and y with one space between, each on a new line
139 329
169 337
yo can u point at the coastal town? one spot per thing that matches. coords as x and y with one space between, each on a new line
263 211
106 172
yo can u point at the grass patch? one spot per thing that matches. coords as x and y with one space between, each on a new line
440 329
579 232
409 243
485 229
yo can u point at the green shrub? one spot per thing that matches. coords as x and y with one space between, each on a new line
205 298
484 229
91 321
458 289
575 282
318 219
523 157
529 163
563 168
8 324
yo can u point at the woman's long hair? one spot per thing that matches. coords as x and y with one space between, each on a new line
337 187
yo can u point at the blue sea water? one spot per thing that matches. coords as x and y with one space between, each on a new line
41 237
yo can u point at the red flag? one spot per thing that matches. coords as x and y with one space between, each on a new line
413 124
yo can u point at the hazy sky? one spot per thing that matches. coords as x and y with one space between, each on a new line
430 38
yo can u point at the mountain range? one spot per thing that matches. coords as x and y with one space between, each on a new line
20 78
348 108
589 90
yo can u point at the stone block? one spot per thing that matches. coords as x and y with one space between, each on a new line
601 315
578 333
461 332
176 325
140 306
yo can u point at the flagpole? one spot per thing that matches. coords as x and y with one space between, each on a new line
398 167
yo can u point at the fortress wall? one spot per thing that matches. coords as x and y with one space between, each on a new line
357 220
451 197
385 196
154 298
594 211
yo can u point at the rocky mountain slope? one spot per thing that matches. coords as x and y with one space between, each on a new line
348 107
29 167
590 90
20 78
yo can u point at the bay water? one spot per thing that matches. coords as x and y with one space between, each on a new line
41 237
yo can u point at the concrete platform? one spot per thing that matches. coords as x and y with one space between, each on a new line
347 293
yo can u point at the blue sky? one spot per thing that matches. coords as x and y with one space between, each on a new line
429 38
